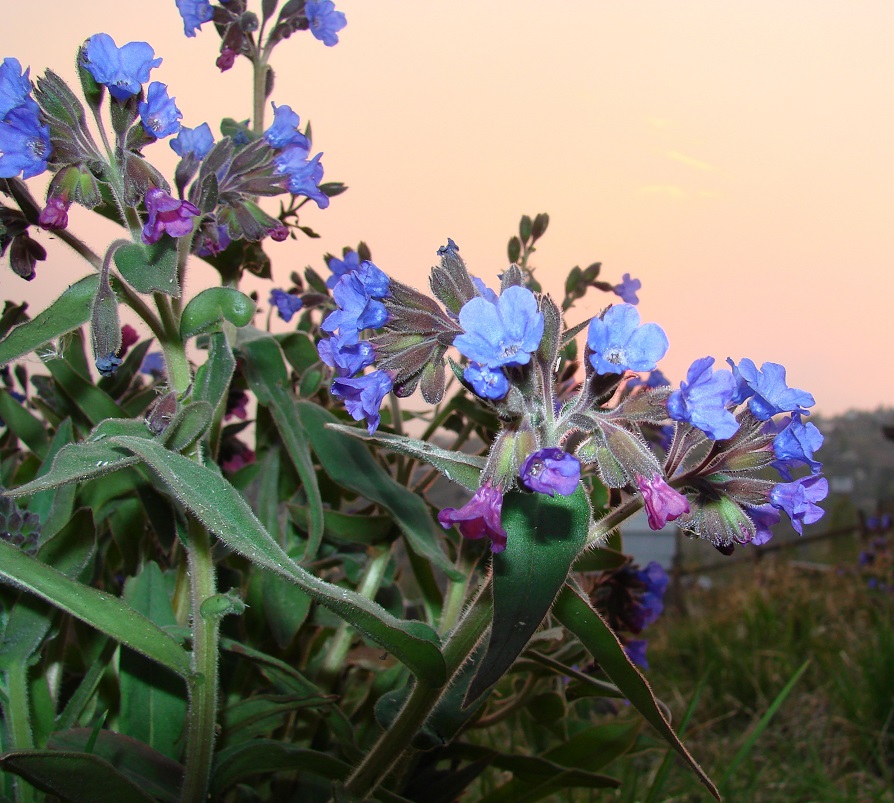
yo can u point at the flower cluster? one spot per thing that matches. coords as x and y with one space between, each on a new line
24 137
691 455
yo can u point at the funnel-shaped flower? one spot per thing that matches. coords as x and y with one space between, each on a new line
479 517
663 503
799 500
702 400
122 69
363 396
167 214
618 342
551 470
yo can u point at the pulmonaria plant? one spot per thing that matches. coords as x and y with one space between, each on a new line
694 456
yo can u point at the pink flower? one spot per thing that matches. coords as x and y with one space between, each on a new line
167 214
479 517
663 503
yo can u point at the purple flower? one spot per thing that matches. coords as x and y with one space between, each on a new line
197 141
363 396
324 21
286 303
226 59
798 442
284 132
158 113
479 517
505 333
24 142
123 70
15 86
214 240
339 267
129 337
108 364
627 289
153 364
702 400
768 391
663 503
237 405
764 517
346 358
618 343
488 383
54 215
799 500
167 214
651 602
551 470
195 13
304 176
636 652
357 308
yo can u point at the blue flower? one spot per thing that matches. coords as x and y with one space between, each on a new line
374 280
346 358
108 364
195 13
153 364
324 21
24 143
627 289
703 398
799 500
339 267
356 295
618 343
488 383
551 470
663 503
159 113
303 176
655 379
197 141
479 517
798 442
505 333
483 290
363 396
636 652
286 303
764 517
284 132
123 70
15 86
768 391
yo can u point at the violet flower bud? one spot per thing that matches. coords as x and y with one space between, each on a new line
551 470
663 503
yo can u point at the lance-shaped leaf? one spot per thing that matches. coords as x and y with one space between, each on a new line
98 609
455 466
576 614
69 311
352 466
223 510
24 424
544 536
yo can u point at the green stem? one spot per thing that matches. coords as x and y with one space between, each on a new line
202 714
175 352
338 648
18 717
600 530
259 93
423 698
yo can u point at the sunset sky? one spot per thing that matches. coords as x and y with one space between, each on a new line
735 157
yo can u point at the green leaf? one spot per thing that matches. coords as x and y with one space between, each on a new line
544 536
98 609
265 369
210 308
54 509
464 469
352 466
69 311
264 713
89 399
24 424
222 509
187 426
74 777
153 704
345 527
150 268
154 773
213 377
576 614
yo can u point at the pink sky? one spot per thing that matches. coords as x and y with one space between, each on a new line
735 157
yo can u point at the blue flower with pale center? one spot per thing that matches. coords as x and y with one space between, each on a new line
627 289
618 343
799 499
324 21
303 176
363 396
284 132
24 143
158 113
550 471
488 383
703 398
122 69
197 141
505 333
796 443
286 304
15 86
339 267
766 390
195 13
